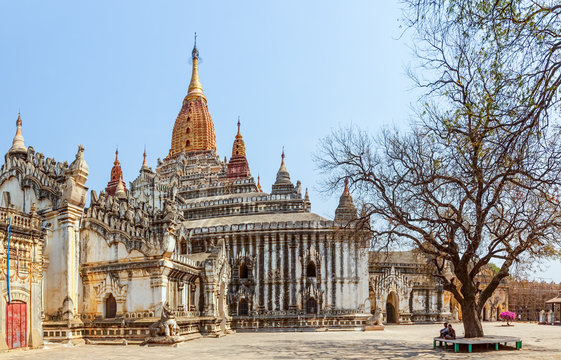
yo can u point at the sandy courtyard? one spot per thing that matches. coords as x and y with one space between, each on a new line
395 342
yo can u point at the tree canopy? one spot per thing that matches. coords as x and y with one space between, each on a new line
477 177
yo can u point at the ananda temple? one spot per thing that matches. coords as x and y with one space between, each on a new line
196 235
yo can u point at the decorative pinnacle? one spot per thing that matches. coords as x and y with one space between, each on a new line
195 52
238 135
346 190
195 87
116 157
144 163
282 156
18 144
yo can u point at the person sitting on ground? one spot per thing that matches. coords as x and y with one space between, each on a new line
444 330
451 335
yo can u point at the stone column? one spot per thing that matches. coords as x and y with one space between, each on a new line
159 286
292 265
298 271
63 276
328 274
285 271
260 284
266 268
282 265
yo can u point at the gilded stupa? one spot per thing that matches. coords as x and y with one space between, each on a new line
193 130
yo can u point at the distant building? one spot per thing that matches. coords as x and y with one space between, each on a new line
403 288
528 298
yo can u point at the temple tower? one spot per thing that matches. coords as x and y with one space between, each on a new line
193 130
18 145
346 211
283 185
238 166
116 183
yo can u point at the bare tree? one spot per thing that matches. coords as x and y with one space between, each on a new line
476 178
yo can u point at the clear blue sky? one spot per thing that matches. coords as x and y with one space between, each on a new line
110 73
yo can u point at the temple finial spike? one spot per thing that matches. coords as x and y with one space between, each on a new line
144 163
239 135
195 87
18 144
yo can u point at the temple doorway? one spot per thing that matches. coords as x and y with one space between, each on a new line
392 306
110 307
311 306
16 325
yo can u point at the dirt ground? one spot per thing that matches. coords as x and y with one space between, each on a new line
395 342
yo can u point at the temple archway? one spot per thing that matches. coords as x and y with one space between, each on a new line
243 308
110 307
311 306
392 308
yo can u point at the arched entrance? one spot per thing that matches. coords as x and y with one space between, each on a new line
16 324
392 308
243 308
110 307
311 306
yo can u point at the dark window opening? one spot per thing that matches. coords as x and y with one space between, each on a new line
183 249
311 269
243 271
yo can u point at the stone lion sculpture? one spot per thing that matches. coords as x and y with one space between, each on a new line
166 326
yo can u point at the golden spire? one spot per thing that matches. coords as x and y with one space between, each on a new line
116 157
144 162
195 87
238 135
193 130
238 149
259 184
18 144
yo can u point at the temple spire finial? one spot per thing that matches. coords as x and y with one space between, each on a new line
195 52
282 156
144 162
18 144
239 134
116 156
195 87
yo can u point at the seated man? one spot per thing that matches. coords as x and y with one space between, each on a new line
451 335
444 331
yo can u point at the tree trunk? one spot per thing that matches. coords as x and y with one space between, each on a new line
471 319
